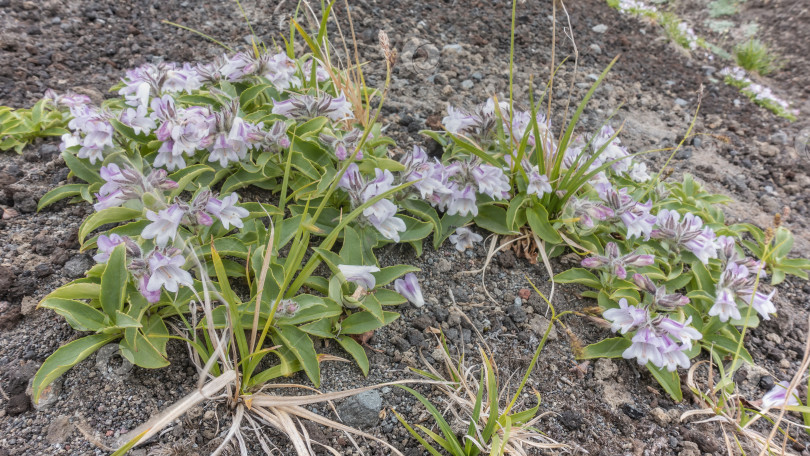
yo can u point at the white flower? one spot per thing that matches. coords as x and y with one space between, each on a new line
361 275
227 211
167 273
164 224
408 287
464 239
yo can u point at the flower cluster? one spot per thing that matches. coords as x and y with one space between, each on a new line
739 283
659 340
758 93
151 105
689 233
615 263
381 214
162 267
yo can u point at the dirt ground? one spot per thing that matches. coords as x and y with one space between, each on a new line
451 52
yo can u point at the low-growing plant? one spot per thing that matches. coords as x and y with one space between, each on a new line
759 94
20 127
753 55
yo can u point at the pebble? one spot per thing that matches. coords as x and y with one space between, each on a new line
361 410
77 266
467 84
595 49
601 28
604 368
681 102
444 265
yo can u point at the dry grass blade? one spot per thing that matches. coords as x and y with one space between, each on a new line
155 424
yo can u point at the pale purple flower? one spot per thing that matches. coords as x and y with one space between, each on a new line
688 232
166 159
390 227
360 275
463 202
778 397
106 244
626 317
227 211
457 121
464 239
661 299
321 75
683 331
151 296
491 181
538 183
137 119
639 172
112 199
69 140
308 106
114 179
345 145
615 263
672 355
164 224
638 220
408 287
645 348
166 271
761 302
725 306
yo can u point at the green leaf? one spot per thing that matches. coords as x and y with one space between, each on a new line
538 220
187 176
140 350
356 350
361 322
59 193
66 357
105 216
81 169
128 132
387 275
80 315
725 344
299 343
78 289
608 348
580 276
493 218
114 282
668 380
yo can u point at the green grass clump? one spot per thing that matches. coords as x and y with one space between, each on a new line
754 55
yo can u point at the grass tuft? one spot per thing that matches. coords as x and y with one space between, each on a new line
754 55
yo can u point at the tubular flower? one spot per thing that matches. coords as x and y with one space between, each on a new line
615 263
408 287
361 275
464 238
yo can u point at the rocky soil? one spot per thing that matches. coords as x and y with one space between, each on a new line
451 51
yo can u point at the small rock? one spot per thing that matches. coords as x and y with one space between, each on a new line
663 417
685 153
604 368
43 270
681 102
48 396
77 266
467 84
111 364
539 324
571 420
524 293
444 266
595 49
17 404
689 449
632 412
28 305
59 430
766 382
9 315
767 150
6 279
361 410
601 28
